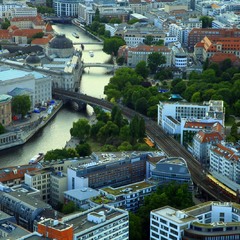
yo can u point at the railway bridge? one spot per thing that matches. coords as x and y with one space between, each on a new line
165 142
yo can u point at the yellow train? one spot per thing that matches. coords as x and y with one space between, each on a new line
223 187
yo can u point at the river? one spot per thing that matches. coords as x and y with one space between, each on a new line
56 133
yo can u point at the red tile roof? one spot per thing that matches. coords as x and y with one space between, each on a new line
49 27
26 32
225 152
220 57
4 34
42 41
207 137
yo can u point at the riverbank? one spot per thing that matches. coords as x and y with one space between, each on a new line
20 132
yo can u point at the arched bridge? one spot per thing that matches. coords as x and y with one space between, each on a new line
88 43
104 65
165 142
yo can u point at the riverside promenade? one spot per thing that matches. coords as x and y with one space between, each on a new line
20 132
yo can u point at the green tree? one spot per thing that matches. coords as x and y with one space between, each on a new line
141 105
125 146
155 60
120 60
95 128
5 24
68 207
59 154
84 150
101 30
133 21
97 15
107 34
125 133
108 130
135 227
81 129
142 70
2 129
179 88
115 20
38 35
196 97
111 45
148 40
237 108
21 104
206 21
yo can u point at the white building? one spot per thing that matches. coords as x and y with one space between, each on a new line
39 84
4 8
23 12
171 113
202 142
209 220
129 197
225 162
64 8
86 12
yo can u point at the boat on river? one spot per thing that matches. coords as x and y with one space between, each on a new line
37 158
75 35
91 53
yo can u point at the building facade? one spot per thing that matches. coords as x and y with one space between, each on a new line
66 9
5 109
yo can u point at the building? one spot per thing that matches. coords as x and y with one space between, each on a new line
171 113
197 34
101 222
39 84
66 9
81 197
202 142
133 55
189 127
4 8
129 197
22 12
25 208
171 170
138 6
224 163
5 109
209 220
58 184
212 45
60 63
109 169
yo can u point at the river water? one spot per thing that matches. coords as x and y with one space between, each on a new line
56 133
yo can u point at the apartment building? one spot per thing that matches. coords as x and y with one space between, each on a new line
209 220
5 109
197 34
129 197
138 6
40 180
22 12
24 207
101 222
5 7
109 169
202 142
211 45
189 127
225 164
171 113
133 55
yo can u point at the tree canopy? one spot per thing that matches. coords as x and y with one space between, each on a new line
81 129
155 60
112 44
21 104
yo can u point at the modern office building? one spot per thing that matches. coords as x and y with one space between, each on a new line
209 220
64 8
109 169
101 222
171 113
129 197
172 169
5 109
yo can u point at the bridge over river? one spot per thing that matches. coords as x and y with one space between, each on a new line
104 65
165 142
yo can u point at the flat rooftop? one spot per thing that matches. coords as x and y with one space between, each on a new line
80 222
127 188
174 215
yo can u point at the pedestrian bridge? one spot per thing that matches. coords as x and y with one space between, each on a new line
88 43
103 65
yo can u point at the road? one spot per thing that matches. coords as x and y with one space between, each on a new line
165 142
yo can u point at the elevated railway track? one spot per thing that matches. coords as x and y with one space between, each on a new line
165 142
